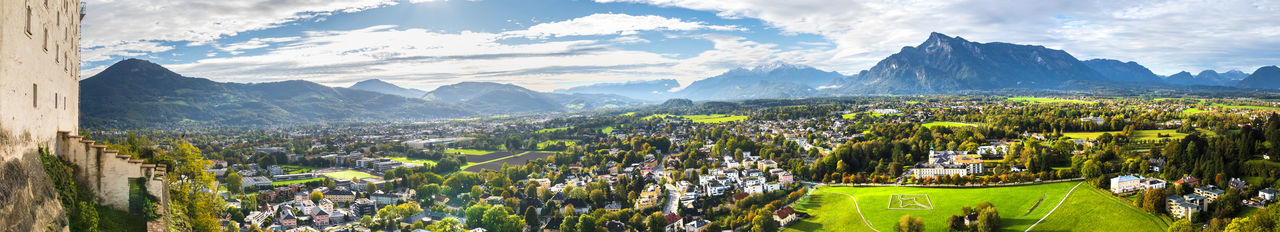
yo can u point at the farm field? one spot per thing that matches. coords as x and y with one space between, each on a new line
1093 209
1247 107
467 151
705 118
1137 135
833 210
496 164
947 124
1048 100
412 160
347 175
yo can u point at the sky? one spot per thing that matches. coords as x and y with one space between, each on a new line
546 45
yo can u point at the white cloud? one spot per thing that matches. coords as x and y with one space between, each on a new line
123 48
1166 36
426 59
613 24
629 40
111 23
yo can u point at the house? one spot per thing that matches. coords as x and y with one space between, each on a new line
675 223
320 218
785 216
1152 183
1125 183
1181 206
1236 183
1095 120
1210 192
364 206
552 225
1188 180
696 225
340 195
615 226
579 206
287 218
1267 194
612 207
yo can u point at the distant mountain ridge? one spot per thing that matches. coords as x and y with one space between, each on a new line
136 93
1123 71
775 80
488 97
375 85
651 90
1267 77
945 64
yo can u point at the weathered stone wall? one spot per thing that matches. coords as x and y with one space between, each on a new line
39 96
107 173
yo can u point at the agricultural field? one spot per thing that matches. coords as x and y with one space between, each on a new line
1048 100
347 175
704 118
1019 206
467 151
496 164
947 124
1246 107
1137 135
420 161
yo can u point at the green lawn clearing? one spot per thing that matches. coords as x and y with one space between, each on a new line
1190 111
348 174
467 151
1048 100
947 124
1137 135
289 182
704 118
1247 107
567 142
833 209
1093 209
607 130
549 130
420 161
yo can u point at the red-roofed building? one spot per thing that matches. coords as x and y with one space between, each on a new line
785 216
740 196
1189 180
675 222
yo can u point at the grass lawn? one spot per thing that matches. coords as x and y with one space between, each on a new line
467 151
704 118
849 116
1092 209
289 182
567 142
1247 107
549 130
607 130
1137 135
833 210
348 174
947 124
1193 111
1048 100
412 160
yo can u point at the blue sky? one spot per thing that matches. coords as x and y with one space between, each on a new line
547 45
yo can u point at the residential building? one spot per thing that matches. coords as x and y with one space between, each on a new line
1126 183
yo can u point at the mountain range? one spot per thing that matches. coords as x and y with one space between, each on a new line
138 93
133 92
375 85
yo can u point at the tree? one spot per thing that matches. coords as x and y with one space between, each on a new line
956 223
447 224
569 224
475 215
366 221
988 220
531 217
494 218
1154 201
370 187
234 182
1183 226
656 222
764 222
909 224
316 196
598 197
586 223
